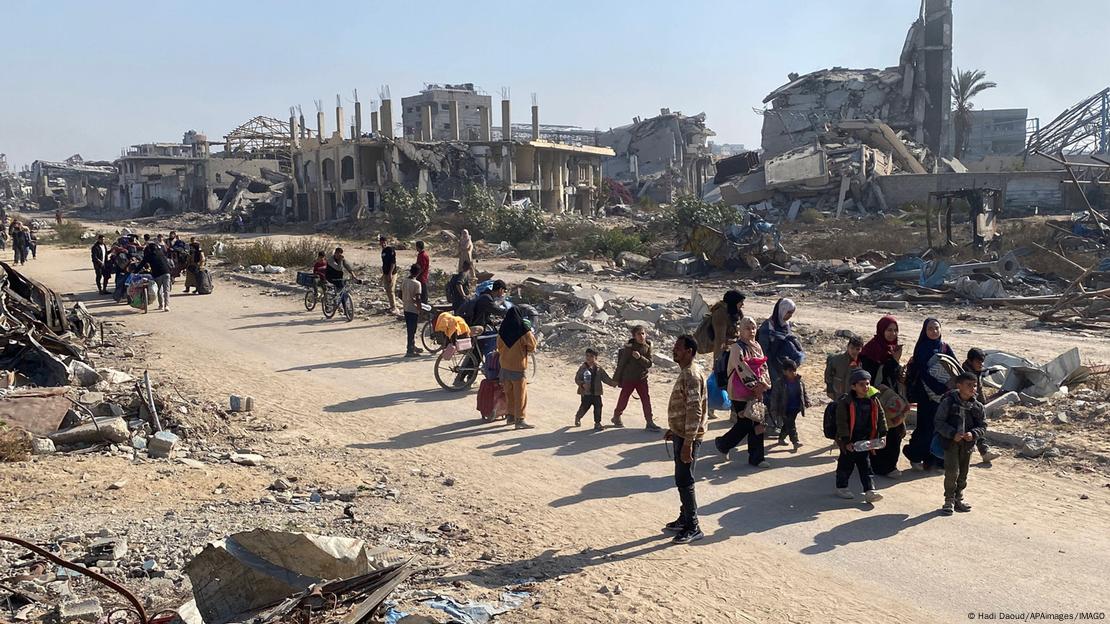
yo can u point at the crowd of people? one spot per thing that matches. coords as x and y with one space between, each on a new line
22 237
869 387
150 265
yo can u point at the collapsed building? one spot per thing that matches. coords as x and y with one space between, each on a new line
915 96
662 157
73 182
337 176
188 177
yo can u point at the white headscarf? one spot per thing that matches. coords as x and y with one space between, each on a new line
465 243
785 306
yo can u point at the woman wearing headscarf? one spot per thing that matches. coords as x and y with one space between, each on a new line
881 357
926 388
747 382
725 314
776 337
514 342
193 265
466 253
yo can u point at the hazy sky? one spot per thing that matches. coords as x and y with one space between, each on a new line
94 77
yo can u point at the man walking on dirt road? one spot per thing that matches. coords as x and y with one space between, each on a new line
686 422
100 258
389 273
411 290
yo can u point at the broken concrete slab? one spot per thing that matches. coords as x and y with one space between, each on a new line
997 404
83 374
651 316
86 610
248 571
98 430
247 459
42 446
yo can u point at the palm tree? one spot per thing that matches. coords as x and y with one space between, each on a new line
966 84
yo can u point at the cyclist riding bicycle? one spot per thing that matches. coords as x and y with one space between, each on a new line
338 269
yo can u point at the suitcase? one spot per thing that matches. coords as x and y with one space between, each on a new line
491 400
204 282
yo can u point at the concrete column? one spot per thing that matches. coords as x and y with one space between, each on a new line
304 128
374 127
320 125
456 133
426 122
293 131
339 122
506 123
358 121
484 123
535 122
387 118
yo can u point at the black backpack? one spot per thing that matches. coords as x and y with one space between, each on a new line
720 370
466 310
829 420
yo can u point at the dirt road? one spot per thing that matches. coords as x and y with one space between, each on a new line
585 508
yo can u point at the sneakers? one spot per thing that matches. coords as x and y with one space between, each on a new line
917 466
871 496
617 421
411 354
948 508
598 427
990 456
651 426
763 464
845 493
893 474
676 526
688 535
712 415
961 506
520 424
577 421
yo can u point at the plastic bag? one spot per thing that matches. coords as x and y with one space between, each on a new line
717 397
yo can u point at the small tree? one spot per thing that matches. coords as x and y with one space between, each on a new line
966 84
479 210
408 211
519 223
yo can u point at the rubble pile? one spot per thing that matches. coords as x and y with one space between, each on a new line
662 157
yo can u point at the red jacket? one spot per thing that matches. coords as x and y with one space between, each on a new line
425 264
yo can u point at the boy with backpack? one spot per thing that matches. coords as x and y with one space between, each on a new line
789 400
974 365
633 362
959 424
859 419
589 380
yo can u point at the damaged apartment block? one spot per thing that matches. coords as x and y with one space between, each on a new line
660 158
338 175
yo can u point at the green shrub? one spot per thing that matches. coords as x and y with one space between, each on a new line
494 222
479 211
69 233
810 215
409 212
293 253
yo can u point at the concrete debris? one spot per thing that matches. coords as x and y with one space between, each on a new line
86 610
161 445
247 459
244 575
42 446
241 404
97 430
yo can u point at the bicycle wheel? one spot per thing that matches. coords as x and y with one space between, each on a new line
432 340
310 299
329 306
348 308
458 372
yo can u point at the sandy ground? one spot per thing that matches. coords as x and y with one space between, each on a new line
584 509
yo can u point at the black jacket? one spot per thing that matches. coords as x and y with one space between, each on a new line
156 259
485 309
958 416
99 252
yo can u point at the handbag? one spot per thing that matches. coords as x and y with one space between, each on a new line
936 447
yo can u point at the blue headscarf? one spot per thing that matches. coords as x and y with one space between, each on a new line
926 347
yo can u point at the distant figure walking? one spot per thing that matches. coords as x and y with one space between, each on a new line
515 341
425 263
100 256
389 273
633 362
410 301
193 267
466 253
686 423
154 256
21 242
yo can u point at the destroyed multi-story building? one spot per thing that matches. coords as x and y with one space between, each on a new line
436 112
185 176
72 182
662 157
914 96
337 176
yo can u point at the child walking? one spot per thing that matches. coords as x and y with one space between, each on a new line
959 424
589 379
633 362
789 400
859 417
976 358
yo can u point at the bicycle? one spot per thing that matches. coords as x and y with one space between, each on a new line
457 366
333 300
313 285
432 340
